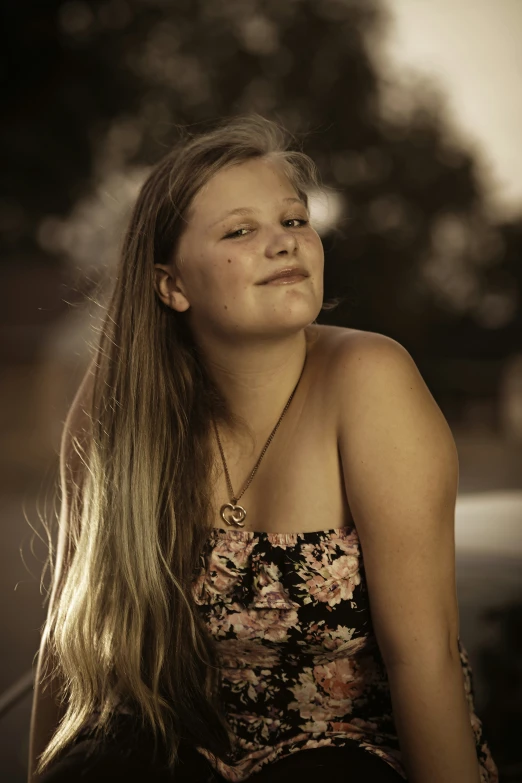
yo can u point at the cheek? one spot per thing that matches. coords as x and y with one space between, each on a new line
224 272
312 243
231 265
210 266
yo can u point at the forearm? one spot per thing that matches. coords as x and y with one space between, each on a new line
433 722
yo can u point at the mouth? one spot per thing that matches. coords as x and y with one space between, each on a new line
286 280
292 274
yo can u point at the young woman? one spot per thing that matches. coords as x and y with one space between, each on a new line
255 574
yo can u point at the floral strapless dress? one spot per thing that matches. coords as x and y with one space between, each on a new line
301 666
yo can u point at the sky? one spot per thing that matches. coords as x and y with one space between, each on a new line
474 50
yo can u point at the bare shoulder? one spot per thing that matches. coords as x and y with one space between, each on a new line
348 340
361 357
377 384
358 343
352 358
337 340
381 397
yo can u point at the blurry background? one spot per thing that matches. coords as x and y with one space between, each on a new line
413 112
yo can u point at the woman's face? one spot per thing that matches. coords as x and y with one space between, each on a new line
223 255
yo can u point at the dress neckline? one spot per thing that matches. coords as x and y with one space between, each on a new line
239 534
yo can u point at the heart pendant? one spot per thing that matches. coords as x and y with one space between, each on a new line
237 516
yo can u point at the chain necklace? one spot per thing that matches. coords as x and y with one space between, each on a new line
238 513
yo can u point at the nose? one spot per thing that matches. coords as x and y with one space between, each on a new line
281 242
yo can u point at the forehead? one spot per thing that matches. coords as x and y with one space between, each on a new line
251 183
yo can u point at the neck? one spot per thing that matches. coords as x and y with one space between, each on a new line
258 381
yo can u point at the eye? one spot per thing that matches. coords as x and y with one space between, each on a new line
302 222
235 234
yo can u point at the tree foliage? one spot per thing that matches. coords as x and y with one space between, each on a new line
95 87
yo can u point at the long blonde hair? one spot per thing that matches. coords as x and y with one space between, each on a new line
122 623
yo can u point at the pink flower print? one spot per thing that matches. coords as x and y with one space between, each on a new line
348 648
223 579
345 567
345 727
340 679
336 582
305 693
269 593
236 550
369 726
222 571
348 544
338 636
247 680
314 562
476 725
245 652
276 624
268 573
314 726
490 768
270 624
312 704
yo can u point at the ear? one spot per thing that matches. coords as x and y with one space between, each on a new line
169 288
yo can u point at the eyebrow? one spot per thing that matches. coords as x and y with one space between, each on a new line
248 210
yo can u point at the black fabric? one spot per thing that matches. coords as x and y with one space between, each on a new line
128 757
291 620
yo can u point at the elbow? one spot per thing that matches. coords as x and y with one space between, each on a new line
423 653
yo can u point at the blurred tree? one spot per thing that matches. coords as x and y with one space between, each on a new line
95 88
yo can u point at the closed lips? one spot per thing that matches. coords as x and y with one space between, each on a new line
288 272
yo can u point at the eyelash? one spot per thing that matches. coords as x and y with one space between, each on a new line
233 233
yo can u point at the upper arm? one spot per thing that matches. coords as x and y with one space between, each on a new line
400 467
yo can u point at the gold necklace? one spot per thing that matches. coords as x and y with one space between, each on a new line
238 513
